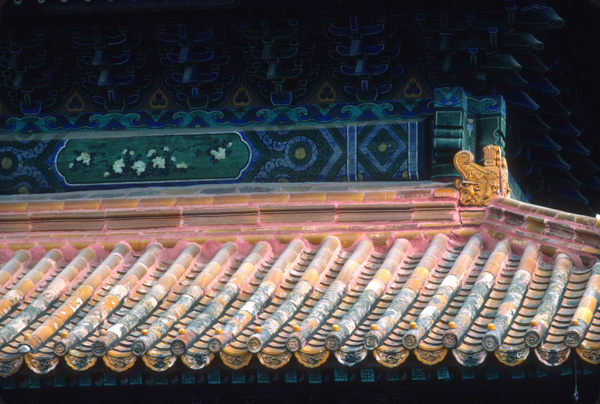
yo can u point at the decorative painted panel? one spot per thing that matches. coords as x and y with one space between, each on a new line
373 141
171 60
138 160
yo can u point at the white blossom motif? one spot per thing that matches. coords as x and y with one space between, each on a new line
149 162
158 162
85 158
139 167
118 166
219 154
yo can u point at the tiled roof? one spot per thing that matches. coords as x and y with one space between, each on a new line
509 280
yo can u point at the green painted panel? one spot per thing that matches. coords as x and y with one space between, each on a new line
218 156
449 118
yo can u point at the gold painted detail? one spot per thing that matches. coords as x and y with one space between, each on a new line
159 363
119 362
6 163
480 185
9 365
75 103
430 356
312 360
80 361
413 87
512 357
274 361
236 361
242 97
326 92
391 359
41 364
159 100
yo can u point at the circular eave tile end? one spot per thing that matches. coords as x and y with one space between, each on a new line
99 348
178 347
333 342
293 343
254 344
371 341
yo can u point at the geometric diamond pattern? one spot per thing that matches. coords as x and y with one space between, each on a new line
381 146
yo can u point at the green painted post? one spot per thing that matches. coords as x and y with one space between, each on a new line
450 132
490 125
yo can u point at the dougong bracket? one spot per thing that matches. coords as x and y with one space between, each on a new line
480 185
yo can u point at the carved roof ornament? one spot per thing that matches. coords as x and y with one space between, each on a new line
480 185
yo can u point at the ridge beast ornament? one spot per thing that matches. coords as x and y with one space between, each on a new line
480 185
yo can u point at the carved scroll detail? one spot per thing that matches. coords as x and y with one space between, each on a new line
512 357
589 355
469 359
197 360
41 364
119 362
391 359
235 361
350 357
312 360
274 361
80 361
552 357
430 356
159 363
480 185
9 365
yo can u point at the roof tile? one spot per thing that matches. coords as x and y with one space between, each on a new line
382 285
